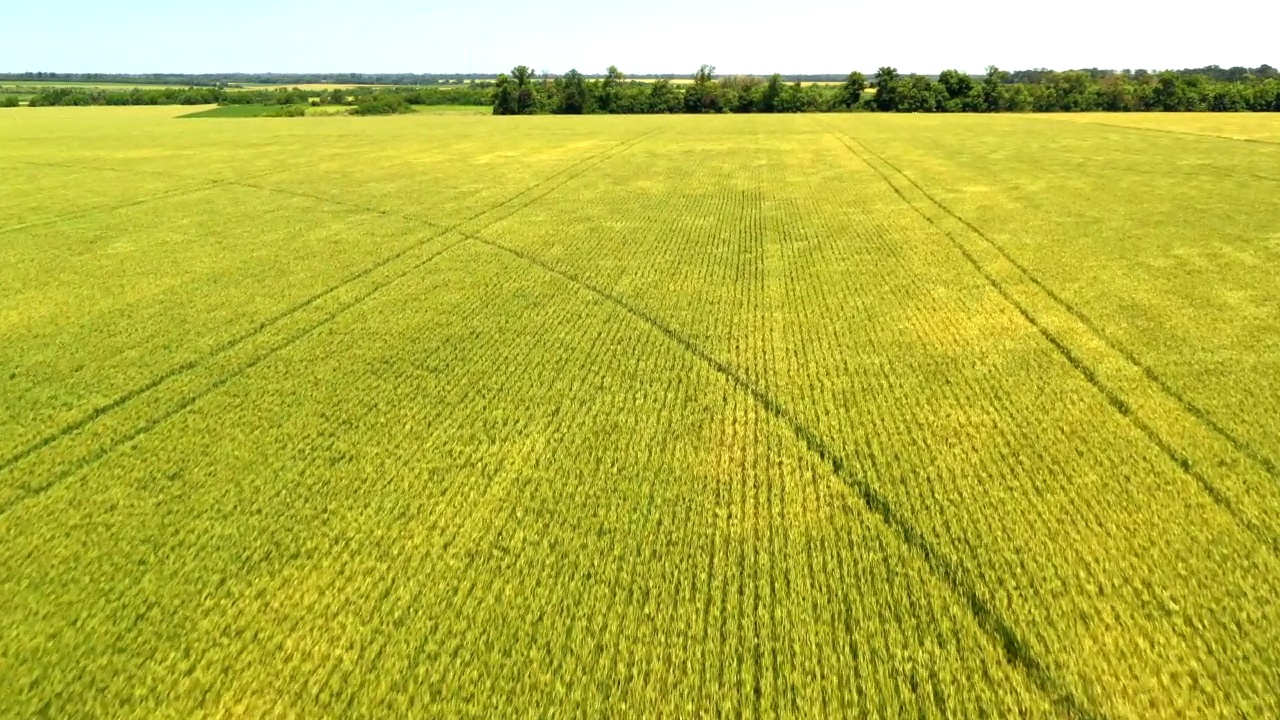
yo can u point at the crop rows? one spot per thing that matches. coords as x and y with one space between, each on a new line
660 416
897 418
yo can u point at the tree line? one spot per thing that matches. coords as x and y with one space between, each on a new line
373 99
524 92
231 80
521 92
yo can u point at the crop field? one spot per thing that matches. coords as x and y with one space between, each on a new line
234 111
883 416
86 85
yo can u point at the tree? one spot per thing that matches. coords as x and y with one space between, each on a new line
571 93
504 96
1228 97
918 93
851 91
9 101
1168 93
525 100
665 98
703 95
772 94
1017 98
741 93
957 87
886 98
1117 94
792 99
992 91
610 90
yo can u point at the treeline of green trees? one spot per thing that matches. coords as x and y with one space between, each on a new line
369 98
1213 72
523 93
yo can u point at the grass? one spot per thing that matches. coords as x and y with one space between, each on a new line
306 86
252 111
453 109
871 415
237 111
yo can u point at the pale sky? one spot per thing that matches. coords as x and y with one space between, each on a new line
657 36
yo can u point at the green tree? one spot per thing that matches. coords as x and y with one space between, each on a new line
772 94
1117 93
571 93
9 101
992 90
886 97
525 100
852 89
610 89
504 96
918 93
792 99
1167 94
704 95
957 87
665 98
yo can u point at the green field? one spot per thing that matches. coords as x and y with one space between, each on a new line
260 111
880 416
235 111
103 85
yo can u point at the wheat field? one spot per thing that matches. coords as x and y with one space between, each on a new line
945 416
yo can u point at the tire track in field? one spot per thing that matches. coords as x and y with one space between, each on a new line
1113 397
1002 634
113 207
373 210
1166 131
238 181
102 451
515 203
1202 415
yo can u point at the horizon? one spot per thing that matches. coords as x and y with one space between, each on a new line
482 75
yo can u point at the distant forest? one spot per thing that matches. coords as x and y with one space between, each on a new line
1213 72
524 91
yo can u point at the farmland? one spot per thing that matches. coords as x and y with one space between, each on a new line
939 416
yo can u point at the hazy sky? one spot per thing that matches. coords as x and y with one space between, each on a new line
746 36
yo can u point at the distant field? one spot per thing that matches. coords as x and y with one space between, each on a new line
689 81
1236 126
454 109
52 83
308 86
252 111
109 85
685 416
234 111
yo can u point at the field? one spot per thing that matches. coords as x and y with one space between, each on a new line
262 111
882 416
103 85
233 111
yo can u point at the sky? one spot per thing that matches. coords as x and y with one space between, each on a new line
655 36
